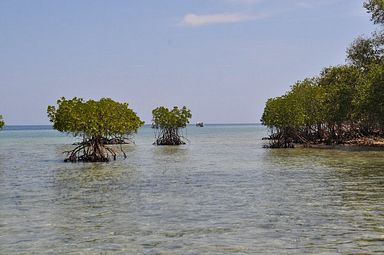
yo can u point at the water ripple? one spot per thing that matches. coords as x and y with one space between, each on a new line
222 194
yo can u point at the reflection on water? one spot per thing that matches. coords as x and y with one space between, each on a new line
222 194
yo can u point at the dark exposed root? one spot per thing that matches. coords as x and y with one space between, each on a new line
169 141
170 137
276 144
115 140
324 135
285 139
92 150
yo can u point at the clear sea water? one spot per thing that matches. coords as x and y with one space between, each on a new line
221 194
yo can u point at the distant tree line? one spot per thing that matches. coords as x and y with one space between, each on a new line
343 103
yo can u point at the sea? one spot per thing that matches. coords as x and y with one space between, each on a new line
221 193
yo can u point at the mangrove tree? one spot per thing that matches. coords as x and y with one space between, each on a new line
168 125
97 123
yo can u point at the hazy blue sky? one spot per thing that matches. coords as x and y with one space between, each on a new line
221 58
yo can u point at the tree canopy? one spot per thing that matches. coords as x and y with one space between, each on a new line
2 123
376 9
97 122
169 123
365 51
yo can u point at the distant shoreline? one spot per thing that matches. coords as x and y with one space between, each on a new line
27 127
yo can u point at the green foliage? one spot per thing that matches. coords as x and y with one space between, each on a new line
366 51
376 9
372 96
302 106
343 102
176 118
2 123
361 52
96 122
104 118
282 112
339 102
308 100
340 84
296 115
169 123
274 113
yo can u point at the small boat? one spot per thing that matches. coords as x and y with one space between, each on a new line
199 124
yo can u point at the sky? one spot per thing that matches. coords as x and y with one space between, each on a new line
221 58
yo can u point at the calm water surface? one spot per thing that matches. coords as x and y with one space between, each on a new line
221 194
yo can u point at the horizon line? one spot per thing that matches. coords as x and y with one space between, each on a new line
147 124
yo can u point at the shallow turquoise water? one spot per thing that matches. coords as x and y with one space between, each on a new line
221 194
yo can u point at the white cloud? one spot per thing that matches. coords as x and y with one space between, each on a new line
194 20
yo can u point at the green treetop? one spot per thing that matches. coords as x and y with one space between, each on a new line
365 51
376 9
2 123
